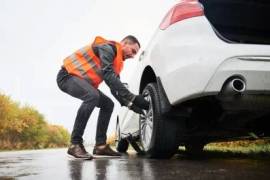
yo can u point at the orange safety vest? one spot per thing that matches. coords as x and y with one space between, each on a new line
86 65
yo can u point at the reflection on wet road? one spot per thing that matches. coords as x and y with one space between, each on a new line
54 164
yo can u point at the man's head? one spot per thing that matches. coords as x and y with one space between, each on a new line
130 46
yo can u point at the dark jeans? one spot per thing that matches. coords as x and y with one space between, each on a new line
91 98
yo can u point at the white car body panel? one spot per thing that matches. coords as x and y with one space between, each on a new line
194 73
131 124
198 65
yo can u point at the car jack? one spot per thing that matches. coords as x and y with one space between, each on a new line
133 142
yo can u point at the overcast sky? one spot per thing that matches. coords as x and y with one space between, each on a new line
36 35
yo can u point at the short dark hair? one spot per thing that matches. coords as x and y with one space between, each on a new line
133 39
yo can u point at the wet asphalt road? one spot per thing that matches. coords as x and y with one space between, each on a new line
55 165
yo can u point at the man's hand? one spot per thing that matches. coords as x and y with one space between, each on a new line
140 102
136 109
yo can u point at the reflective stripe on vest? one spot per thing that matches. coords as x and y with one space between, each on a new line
85 64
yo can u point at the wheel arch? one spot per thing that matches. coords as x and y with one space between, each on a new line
149 76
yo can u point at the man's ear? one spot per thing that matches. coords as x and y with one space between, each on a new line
126 42
123 42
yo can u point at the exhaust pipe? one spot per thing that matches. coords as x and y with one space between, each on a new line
233 87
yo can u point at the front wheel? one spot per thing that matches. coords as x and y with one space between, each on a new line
158 135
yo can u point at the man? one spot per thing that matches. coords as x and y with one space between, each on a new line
80 77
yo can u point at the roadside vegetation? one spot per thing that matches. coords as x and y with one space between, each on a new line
250 149
256 148
23 127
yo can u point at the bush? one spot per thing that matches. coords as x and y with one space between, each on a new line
25 128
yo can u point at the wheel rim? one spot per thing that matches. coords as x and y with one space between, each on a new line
146 124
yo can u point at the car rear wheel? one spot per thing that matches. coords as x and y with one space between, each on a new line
158 135
120 143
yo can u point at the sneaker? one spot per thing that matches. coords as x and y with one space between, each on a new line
78 151
105 151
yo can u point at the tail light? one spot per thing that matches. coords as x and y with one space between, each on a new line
183 10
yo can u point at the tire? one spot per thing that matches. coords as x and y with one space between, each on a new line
158 135
121 144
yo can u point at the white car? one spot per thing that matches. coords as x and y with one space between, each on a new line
206 73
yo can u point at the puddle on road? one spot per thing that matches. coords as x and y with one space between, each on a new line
56 164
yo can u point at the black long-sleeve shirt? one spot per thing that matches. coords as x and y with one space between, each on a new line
107 53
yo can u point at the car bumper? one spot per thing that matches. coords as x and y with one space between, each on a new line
201 64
